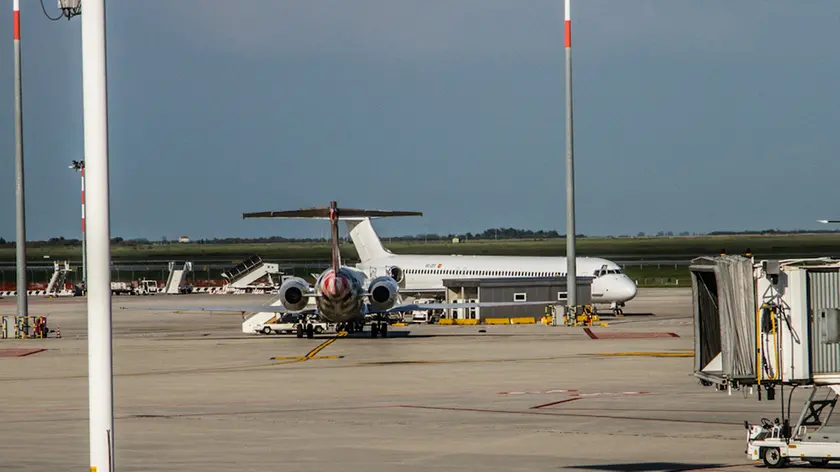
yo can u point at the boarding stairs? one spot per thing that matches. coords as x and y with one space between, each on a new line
177 276
243 276
59 276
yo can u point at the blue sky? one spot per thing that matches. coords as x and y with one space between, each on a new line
690 115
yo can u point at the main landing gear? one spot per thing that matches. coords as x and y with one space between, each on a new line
305 326
350 327
379 325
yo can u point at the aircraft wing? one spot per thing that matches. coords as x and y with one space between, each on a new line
446 306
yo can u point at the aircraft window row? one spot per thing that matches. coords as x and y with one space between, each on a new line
508 273
601 272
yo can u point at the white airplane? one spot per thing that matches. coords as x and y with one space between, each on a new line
343 294
425 273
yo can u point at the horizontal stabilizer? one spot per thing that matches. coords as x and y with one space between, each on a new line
324 213
220 308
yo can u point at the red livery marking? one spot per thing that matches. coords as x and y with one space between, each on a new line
17 25
334 284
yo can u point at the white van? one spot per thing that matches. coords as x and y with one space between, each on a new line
424 316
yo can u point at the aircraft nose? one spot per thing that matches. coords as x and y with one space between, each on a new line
628 289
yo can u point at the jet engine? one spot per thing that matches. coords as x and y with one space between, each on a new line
383 293
395 273
292 294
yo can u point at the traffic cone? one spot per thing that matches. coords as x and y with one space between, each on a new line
58 331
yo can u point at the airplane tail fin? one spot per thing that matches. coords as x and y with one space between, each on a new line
334 214
365 239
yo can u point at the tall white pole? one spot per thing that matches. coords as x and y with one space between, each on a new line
100 368
84 232
571 253
20 238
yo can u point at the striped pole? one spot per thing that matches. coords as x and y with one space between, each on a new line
20 240
571 255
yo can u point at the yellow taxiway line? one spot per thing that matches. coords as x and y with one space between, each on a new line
313 353
645 354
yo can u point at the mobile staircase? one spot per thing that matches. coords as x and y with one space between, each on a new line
242 277
177 277
55 288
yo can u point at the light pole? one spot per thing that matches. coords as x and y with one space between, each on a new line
20 240
571 255
79 166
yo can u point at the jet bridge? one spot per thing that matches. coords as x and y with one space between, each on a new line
244 275
766 324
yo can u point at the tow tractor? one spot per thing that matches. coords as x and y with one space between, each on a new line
812 440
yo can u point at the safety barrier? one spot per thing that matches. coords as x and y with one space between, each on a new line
23 327
37 293
491 321
466 322
584 315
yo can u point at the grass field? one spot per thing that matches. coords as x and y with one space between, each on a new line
680 248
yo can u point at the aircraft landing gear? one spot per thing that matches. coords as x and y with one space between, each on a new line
617 309
379 326
305 326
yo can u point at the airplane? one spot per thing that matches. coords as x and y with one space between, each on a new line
425 273
342 294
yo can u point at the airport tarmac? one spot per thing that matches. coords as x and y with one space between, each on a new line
192 392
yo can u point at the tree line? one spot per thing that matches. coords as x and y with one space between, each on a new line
488 234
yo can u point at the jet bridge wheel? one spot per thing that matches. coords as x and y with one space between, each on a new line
772 458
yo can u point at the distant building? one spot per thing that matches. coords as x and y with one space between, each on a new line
184 239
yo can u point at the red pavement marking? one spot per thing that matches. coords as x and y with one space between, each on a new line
20 352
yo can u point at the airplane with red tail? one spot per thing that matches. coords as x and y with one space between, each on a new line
341 293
